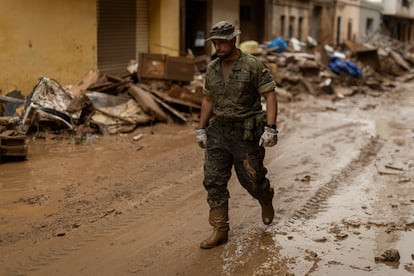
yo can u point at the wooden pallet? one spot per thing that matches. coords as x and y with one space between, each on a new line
12 145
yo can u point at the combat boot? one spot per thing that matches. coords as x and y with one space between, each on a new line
218 218
268 213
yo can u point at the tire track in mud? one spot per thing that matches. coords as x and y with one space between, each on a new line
167 192
314 204
237 256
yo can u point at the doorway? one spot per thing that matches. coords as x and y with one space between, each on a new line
194 27
252 20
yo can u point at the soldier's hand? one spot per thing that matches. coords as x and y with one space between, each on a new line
269 137
201 137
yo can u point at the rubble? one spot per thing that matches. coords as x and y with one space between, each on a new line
114 114
389 255
160 88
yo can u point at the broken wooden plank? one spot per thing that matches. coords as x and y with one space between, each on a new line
96 86
88 79
147 102
110 87
9 120
9 151
171 109
114 78
399 60
169 99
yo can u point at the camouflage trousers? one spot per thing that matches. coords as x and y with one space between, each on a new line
227 148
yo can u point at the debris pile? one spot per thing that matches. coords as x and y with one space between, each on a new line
162 89
370 67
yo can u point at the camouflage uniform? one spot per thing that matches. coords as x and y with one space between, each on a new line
233 135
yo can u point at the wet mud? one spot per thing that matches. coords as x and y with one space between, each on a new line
343 174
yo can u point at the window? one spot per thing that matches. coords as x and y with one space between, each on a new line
300 26
282 25
291 26
349 36
338 30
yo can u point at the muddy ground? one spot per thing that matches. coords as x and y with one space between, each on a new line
343 172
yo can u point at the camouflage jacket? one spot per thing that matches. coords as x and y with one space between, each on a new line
240 97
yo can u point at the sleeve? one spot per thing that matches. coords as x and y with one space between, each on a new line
207 88
265 82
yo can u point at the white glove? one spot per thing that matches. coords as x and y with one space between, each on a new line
269 137
201 137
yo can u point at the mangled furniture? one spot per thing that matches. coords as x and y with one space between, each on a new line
48 102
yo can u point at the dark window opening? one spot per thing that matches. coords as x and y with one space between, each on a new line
338 30
282 26
349 36
291 26
300 26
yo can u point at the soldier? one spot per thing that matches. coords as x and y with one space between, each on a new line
234 129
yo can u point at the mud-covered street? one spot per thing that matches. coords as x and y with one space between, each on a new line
343 172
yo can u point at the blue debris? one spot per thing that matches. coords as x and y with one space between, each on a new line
339 66
279 44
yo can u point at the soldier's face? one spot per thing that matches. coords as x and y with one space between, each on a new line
223 47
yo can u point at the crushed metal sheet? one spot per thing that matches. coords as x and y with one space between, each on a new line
48 102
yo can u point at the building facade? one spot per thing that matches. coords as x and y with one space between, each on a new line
370 19
64 39
45 38
398 20
291 19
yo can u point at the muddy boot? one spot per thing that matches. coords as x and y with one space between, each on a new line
219 217
268 212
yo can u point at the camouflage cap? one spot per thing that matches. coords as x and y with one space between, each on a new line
223 30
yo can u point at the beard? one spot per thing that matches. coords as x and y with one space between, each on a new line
224 55
227 54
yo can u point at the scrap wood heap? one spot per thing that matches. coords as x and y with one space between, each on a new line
107 104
